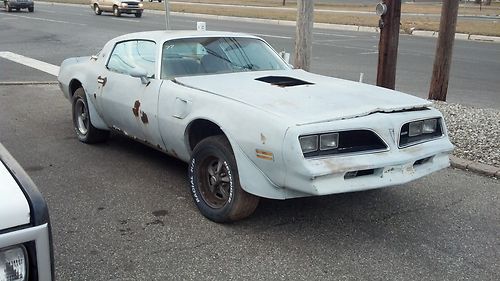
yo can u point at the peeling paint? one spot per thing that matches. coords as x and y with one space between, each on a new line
135 109
263 138
144 117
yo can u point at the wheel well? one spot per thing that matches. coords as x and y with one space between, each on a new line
73 86
201 129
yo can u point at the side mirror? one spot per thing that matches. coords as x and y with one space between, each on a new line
139 72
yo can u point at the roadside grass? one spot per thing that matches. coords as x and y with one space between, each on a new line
407 22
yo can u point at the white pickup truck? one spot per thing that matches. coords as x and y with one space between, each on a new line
25 232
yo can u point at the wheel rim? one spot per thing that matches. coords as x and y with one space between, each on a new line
215 182
115 11
96 9
82 120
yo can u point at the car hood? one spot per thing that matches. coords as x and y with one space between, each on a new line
322 99
14 208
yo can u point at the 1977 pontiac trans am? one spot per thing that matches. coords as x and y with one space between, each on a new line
248 124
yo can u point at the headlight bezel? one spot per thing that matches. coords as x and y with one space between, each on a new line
348 143
406 140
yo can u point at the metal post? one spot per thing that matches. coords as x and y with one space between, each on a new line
167 14
388 44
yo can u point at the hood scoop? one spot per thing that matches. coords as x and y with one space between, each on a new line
283 81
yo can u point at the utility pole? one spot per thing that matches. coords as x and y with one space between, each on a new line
167 15
303 35
390 15
444 49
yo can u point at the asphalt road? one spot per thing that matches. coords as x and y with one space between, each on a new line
122 211
54 33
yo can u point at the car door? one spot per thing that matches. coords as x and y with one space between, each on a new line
129 104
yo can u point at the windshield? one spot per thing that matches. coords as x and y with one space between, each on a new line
202 56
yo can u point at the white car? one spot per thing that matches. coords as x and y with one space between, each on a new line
248 124
25 233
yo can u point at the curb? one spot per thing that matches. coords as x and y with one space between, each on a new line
344 27
475 167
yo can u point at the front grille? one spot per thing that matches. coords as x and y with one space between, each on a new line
356 141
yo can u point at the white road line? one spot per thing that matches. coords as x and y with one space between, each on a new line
272 36
369 53
47 20
40 65
125 20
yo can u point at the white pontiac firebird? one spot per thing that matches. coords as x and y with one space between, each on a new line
248 124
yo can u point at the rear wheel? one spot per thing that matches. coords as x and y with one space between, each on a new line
97 10
215 184
31 9
138 15
116 12
84 129
18 9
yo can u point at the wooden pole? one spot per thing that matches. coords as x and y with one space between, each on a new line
388 44
444 49
303 40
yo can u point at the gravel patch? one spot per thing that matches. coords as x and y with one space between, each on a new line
475 132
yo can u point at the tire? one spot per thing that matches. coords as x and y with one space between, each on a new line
18 9
97 10
215 184
116 12
138 15
31 9
159 1
82 124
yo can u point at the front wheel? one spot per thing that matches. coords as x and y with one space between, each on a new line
138 15
97 10
31 9
116 12
215 184
82 124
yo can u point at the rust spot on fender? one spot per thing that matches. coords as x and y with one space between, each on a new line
135 109
144 117
263 138
95 96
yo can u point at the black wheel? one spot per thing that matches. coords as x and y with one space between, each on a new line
84 129
138 15
116 12
159 1
18 9
8 8
215 184
31 9
97 10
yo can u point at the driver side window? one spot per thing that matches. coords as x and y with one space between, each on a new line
130 54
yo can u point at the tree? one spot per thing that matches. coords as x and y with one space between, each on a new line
303 40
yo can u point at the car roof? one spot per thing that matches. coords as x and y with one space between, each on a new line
165 35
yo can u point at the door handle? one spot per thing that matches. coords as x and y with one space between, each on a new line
102 80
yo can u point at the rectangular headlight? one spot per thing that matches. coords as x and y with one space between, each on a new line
13 264
328 141
429 126
415 128
309 143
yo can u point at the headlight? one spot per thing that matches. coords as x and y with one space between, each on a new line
420 131
13 264
328 141
309 143
341 142
140 5
124 5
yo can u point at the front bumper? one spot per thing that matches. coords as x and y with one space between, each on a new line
363 171
130 10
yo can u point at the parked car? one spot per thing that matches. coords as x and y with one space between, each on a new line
117 7
18 5
248 124
25 233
